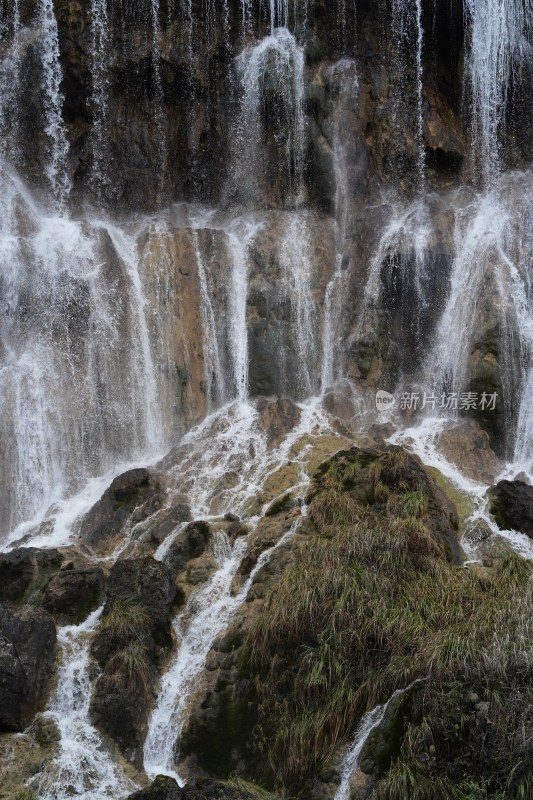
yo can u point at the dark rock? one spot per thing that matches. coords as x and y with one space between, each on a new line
148 584
106 519
168 520
27 657
190 543
231 518
511 504
22 567
135 634
71 594
165 788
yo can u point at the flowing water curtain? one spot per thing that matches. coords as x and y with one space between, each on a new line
269 139
70 410
10 83
408 88
57 150
500 41
100 61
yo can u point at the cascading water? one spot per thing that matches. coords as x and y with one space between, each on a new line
369 722
296 266
271 72
213 373
500 41
211 609
351 761
72 411
406 28
83 768
99 62
58 147
343 74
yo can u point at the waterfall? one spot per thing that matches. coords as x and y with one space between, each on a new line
99 56
70 411
296 266
500 40
83 768
351 760
240 237
221 443
213 372
279 14
272 71
158 92
207 614
344 75
10 86
483 258
406 27
56 166
369 722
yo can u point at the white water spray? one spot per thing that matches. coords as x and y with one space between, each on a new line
84 768
58 147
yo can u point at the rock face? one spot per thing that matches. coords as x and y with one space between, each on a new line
130 645
164 788
27 657
63 584
467 446
103 524
511 503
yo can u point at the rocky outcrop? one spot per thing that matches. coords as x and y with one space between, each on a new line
104 523
27 658
164 788
73 592
24 569
130 644
61 583
467 446
511 504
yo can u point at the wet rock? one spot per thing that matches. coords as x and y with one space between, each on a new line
467 446
23 567
189 544
132 640
511 504
278 419
148 585
165 788
27 659
72 594
167 521
105 522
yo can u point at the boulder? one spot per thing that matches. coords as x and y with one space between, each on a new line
511 504
165 788
278 418
73 592
190 543
467 446
105 522
27 658
133 638
23 567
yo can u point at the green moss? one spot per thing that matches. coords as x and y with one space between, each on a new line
463 502
282 503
